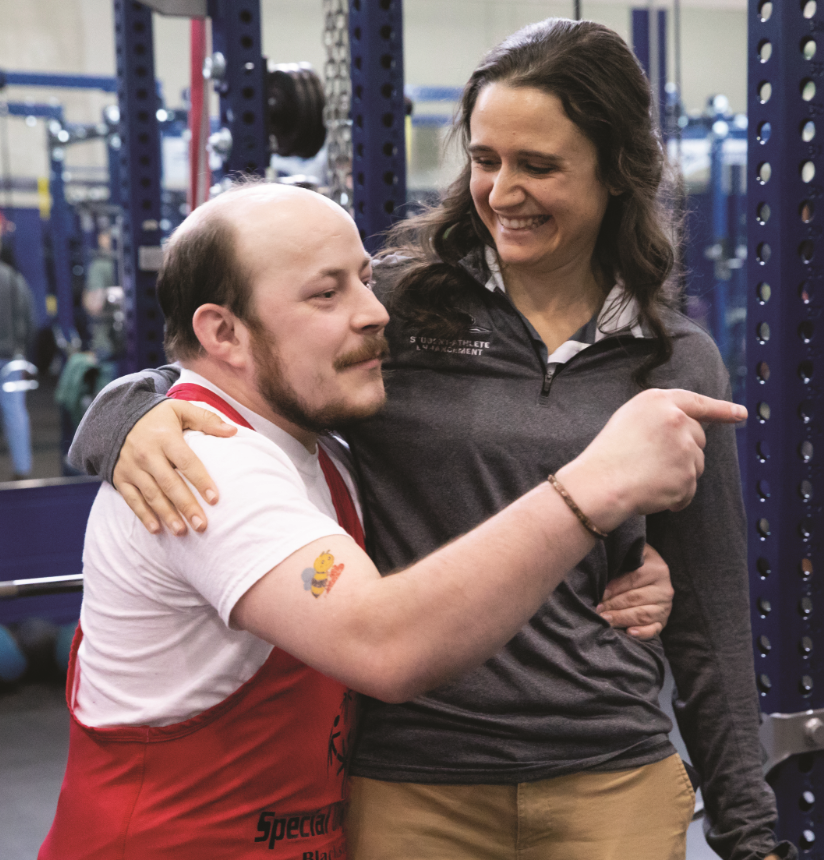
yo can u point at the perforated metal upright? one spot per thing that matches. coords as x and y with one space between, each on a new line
785 440
61 228
139 181
378 115
649 42
236 36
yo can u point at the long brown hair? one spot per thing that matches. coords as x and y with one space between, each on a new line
605 93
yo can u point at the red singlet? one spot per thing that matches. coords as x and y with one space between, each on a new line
260 774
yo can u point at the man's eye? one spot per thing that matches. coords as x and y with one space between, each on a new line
370 284
326 294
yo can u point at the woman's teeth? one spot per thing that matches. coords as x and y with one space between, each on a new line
522 223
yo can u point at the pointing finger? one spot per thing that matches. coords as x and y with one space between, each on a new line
707 409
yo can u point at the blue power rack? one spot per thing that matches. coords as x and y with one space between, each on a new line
378 116
139 182
785 432
236 35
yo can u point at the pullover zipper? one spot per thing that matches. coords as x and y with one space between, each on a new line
548 377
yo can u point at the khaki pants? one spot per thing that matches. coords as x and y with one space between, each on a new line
639 814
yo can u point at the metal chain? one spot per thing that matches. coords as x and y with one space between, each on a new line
337 89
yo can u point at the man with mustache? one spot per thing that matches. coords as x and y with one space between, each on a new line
210 682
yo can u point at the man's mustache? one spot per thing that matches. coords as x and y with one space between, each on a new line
373 346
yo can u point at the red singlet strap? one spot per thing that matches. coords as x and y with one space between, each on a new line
344 506
341 499
190 391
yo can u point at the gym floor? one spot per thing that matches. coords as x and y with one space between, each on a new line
34 725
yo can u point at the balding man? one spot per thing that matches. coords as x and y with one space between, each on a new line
210 684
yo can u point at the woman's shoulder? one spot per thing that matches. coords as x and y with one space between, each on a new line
682 328
387 271
696 362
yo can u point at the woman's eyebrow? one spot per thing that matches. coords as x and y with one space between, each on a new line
544 156
477 148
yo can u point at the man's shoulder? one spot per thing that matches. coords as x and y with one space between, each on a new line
10 275
247 452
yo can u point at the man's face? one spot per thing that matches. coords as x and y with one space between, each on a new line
317 336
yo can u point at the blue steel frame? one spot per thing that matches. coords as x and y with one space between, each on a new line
378 116
72 82
236 33
60 219
59 249
785 433
139 182
642 48
43 527
720 218
60 229
42 111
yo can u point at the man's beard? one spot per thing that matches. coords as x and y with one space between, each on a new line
285 401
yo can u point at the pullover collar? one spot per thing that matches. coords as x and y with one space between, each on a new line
618 315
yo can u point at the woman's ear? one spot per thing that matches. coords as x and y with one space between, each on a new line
614 189
219 333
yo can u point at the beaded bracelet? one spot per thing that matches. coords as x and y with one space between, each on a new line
586 522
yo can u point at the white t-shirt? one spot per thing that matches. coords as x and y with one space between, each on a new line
157 647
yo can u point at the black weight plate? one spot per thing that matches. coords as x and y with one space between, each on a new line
295 111
316 129
283 102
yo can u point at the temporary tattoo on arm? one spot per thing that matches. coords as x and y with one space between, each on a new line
323 575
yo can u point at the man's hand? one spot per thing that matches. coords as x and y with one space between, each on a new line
640 600
648 457
145 472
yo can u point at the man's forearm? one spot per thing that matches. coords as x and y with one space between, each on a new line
114 412
395 637
463 603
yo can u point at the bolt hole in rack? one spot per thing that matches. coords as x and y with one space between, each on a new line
784 440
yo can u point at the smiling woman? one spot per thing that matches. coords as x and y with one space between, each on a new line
536 188
556 83
553 250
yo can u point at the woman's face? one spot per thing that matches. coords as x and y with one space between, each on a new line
534 180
